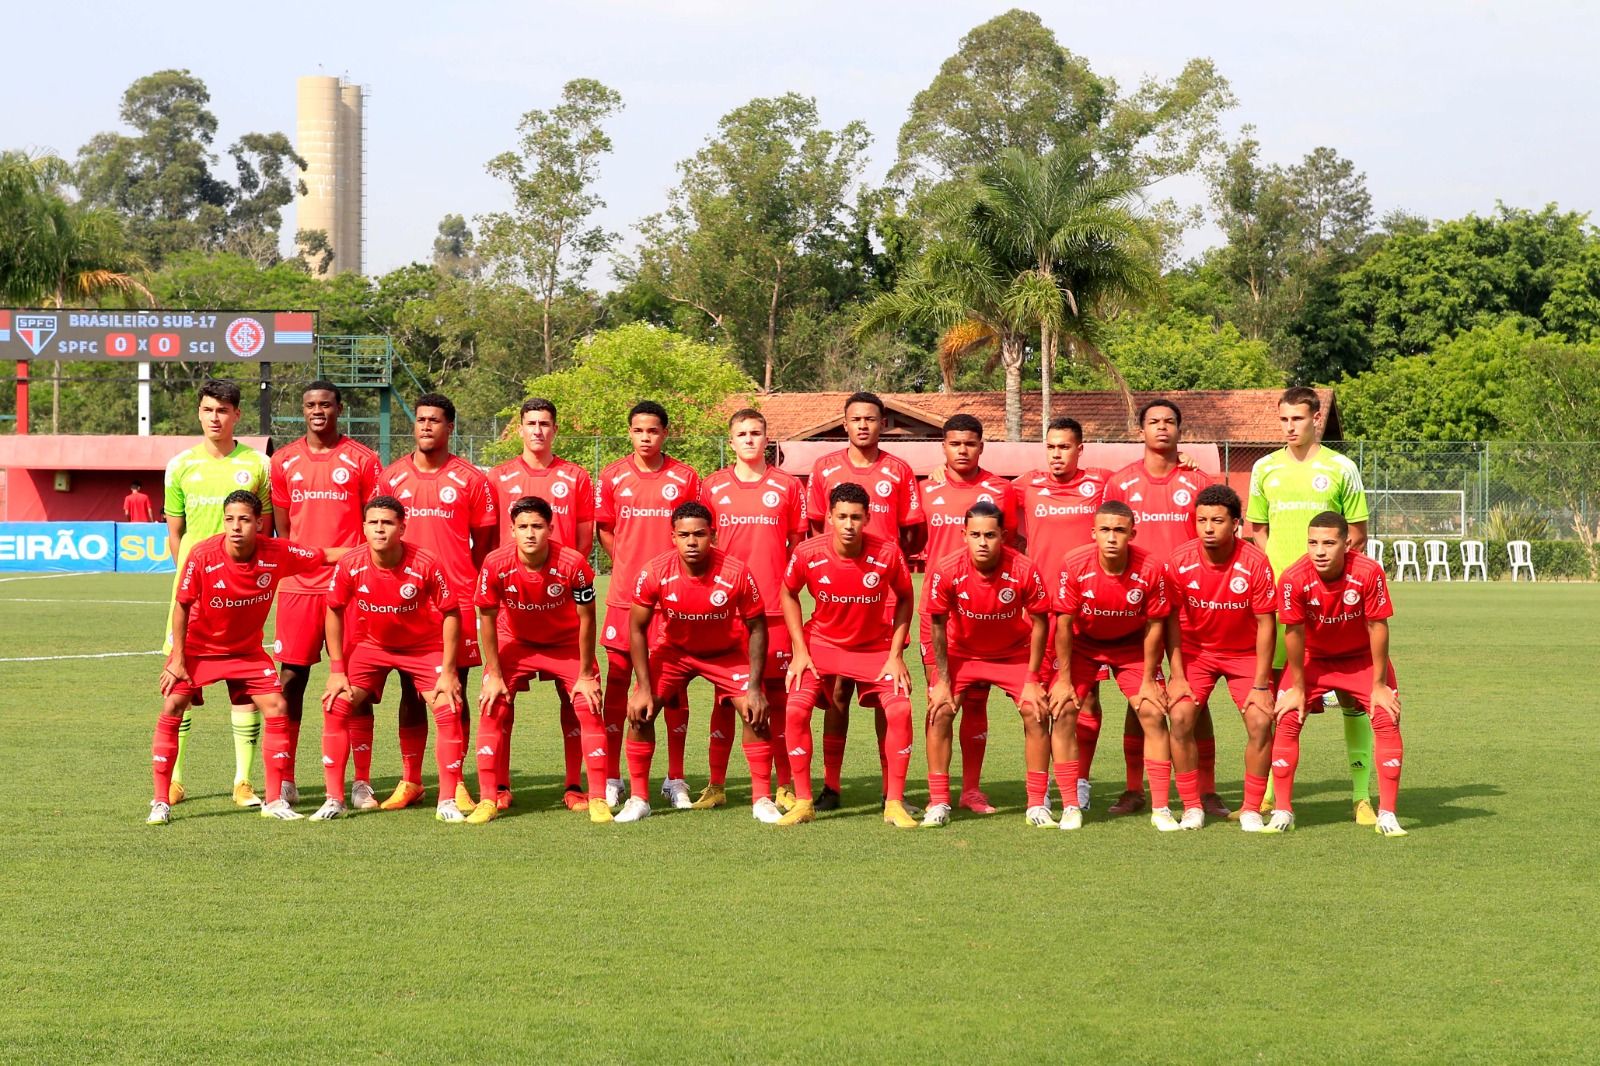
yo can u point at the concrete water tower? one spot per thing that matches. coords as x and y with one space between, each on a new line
329 132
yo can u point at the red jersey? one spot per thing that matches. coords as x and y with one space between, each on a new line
323 494
757 521
703 615
536 606
564 485
138 507
1217 605
945 503
1058 516
851 595
988 616
446 510
1335 613
891 489
397 610
1163 508
228 601
1108 609
636 508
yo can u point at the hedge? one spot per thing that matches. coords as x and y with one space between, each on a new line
1552 559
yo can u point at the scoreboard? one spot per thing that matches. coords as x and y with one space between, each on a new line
62 334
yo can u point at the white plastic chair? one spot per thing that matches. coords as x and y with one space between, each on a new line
1521 553
1374 550
1438 556
1405 555
1472 558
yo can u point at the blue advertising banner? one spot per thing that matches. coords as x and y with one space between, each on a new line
65 547
142 548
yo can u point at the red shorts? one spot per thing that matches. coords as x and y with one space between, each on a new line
1008 677
729 673
1351 675
1203 671
367 666
1052 665
246 675
521 664
873 687
467 653
298 628
1126 664
614 630
780 649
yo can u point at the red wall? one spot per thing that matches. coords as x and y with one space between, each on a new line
96 495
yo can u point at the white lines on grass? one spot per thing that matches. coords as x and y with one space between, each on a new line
57 658
21 599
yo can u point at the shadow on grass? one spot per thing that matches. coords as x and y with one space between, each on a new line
1328 802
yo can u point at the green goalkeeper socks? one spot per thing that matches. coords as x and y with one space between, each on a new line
1358 745
183 742
247 737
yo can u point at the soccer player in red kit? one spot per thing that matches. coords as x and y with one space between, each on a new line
637 496
760 516
1335 609
1161 490
851 636
136 506
224 596
1222 628
707 602
450 514
989 610
536 621
1112 600
319 484
946 499
895 514
407 618
566 487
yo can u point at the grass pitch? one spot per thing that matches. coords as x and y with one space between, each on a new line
704 936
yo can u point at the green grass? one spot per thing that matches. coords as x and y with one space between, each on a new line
708 937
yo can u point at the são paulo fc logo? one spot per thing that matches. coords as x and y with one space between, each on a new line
1007 595
559 490
1320 483
719 598
883 488
241 477
669 492
769 499
408 591
870 581
554 589
1086 489
1352 597
448 494
1182 497
1135 595
263 580
1238 585
245 337
340 475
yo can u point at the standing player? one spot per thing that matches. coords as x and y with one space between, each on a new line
407 618
990 618
197 483
851 636
896 516
319 483
566 487
1221 628
1161 491
707 601
536 620
136 506
1112 599
450 514
1286 489
224 595
946 500
637 497
1334 605
760 517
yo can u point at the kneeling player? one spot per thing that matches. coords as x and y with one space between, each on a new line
990 615
703 595
535 603
1221 628
223 598
850 637
1335 610
410 621
1111 600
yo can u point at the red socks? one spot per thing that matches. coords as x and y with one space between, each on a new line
492 733
1255 788
897 748
777 728
413 741
614 701
276 755
1160 773
294 746
361 732
974 732
677 717
832 757
1390 753
1067 773
571 746
1038 786
1088 729
1208 765
758 753
1286 760
1134 765
595 750
641 753
448 750
502 748
1188 788
336 748
721 742
938 789
163 753
797 735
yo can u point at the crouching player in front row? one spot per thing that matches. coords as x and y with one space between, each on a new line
409 621
708 600
535 604
1335 610
223 598
1111 599
991 616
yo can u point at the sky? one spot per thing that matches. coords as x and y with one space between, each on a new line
1446 106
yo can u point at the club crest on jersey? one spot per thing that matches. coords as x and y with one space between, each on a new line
408 591
241 477
263 580
719 598
611 632
769 499
1321 483
1086 489
1008 595
984 497
560 489
554 589
1352 597
669 492
869 581
1238 585
883 488
1135 595
340 475
448 494
1182 497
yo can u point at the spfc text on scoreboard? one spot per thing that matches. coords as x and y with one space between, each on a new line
158 336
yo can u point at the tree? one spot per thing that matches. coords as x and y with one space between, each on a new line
1012 85
160 179
757 223
545 240
455 248
1174 349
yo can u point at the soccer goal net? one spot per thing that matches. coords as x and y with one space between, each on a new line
1418 512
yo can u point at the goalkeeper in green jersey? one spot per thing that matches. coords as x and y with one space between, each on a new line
1287 489
198 481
